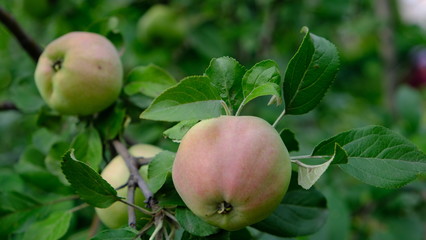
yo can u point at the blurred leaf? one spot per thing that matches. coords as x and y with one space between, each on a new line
193 98
110 122
25 95
149 80
309 174
51 228
43 139
10 180
377 156
309 74
262 79
222 235
159 169
241 234
410 117
88 147
301 212
15 210
289 140
91 187
177 132
226 74
193 224
116 234
54 158
32 169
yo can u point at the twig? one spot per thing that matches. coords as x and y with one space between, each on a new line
93 227
31 47
131 164
131 198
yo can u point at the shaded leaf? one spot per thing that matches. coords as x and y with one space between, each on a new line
289 140
91 187
116 234
301 212
193 98
149 80
177 132
193 224
88 147
159 169
51 228
262 79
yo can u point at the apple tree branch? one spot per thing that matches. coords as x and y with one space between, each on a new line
28 44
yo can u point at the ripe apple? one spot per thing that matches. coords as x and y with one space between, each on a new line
161 25
117 174
79 73
232 171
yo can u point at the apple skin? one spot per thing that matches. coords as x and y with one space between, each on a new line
117 174
161 25
232 171
79 73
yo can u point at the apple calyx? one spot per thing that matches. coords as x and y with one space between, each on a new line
57 65
224 208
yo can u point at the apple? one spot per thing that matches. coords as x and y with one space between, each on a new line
161 25
232 171
79 73
116 173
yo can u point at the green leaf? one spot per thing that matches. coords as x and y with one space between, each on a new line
289 140
51 228
110 122
193 98
150 80
262 79
91 187
301 212
309 74
193 224
377 156
222 235
88 147
159 169
309 174
54 158
179 130
116 234
226 74
31 167
43 139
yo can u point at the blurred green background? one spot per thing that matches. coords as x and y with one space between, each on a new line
381 81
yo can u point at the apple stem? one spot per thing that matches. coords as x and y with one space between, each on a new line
279 118
57 65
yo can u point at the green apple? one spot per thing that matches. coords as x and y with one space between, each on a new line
79 73
116 173
232 171
161 25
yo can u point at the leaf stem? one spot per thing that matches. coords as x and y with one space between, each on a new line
136 207
279 118
227 110
240 108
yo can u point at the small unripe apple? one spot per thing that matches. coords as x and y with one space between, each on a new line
161 25
116 173
232 171
79 73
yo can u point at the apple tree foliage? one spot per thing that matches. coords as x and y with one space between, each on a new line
65 159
